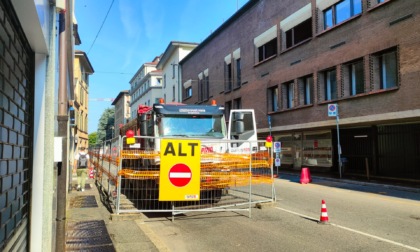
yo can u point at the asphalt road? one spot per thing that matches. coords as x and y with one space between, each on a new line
361 218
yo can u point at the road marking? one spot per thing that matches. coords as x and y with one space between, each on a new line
353 230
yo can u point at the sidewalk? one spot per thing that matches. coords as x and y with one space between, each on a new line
91 227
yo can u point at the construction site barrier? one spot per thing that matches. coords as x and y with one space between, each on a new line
129 176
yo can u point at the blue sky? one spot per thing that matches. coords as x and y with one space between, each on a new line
136 31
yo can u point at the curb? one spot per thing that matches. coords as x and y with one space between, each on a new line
363 183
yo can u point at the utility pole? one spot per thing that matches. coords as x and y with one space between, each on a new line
62 119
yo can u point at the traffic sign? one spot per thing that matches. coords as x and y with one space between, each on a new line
277 147
277 162
332 109
180 175
179 178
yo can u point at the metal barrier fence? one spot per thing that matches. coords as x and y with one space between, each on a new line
106 159
229 181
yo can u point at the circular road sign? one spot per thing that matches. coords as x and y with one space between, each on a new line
332 108
180 175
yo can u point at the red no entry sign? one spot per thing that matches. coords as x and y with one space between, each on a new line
180 175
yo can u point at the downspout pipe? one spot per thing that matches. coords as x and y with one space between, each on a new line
62 119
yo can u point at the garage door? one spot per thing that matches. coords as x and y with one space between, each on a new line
16 110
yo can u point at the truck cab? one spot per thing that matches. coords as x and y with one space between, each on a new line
204 122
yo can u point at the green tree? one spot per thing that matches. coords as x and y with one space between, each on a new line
106 125
93 137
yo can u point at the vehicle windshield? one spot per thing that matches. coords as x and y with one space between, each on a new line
199 126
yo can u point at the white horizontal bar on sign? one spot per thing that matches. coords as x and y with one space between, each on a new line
180 175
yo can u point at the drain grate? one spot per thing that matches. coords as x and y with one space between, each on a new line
83 201
88 236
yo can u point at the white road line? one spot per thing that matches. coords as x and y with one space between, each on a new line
353 230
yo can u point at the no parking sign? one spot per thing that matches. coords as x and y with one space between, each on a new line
277 147
332 109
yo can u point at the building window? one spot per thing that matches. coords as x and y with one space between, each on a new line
237 103
267 50
317 149
188 92
356 78
373 3
353 78
273 99
164 81
238 72
388 63
305 90
204 88
330 85
173 71
200 89
173 93
299 33
385 69
341 12
228 77
288 94
228 107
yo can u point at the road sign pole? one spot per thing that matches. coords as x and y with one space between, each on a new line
338 143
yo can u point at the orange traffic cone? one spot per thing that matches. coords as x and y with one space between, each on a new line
305 176
324 214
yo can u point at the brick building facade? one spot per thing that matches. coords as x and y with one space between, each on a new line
290 60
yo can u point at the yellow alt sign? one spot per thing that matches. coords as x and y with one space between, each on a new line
179 170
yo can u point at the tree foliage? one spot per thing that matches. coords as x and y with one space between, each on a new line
106 125
93 137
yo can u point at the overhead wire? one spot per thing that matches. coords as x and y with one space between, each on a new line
103 22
